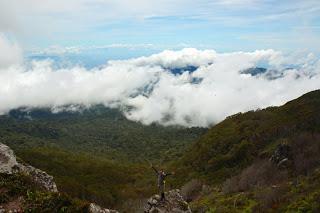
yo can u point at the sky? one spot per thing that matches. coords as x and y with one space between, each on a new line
178 62
141 25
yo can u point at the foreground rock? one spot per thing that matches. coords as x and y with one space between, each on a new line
281 156
8 162
9 165
174 203
40 177
94 208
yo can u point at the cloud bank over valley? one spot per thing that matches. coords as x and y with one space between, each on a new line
188 87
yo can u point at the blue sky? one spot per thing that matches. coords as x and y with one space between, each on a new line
122 29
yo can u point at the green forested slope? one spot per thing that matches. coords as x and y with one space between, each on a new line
234 143
98 130
98 154
232 161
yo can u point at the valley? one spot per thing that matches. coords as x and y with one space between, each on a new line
100 156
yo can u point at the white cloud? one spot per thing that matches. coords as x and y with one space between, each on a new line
10 52
36 17
147 91
32 16
56 50
246 3
172 59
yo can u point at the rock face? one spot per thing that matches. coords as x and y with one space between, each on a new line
281 155
8 162
94 208
40 177
9 165
174 203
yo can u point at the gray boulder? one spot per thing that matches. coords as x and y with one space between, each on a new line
8 162
40 177
281 156
94 208
9 165
174 203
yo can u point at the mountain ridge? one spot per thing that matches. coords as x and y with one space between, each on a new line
234 158
241 131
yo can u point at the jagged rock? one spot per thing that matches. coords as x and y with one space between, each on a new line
9 165
8 162
281 155
174 203
40 177
94 208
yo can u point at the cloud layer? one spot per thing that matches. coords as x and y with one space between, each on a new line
10 52
147 90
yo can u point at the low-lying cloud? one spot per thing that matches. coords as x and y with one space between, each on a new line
10 52
147 90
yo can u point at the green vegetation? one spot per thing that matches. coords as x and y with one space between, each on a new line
98 130
97 155
232 158
86 177
235 143
300 196
20 191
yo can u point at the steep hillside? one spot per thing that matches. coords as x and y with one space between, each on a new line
260 161
234 143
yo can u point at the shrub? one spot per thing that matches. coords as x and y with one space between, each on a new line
53 202
305 152
191 190
269 198
133 205
261 173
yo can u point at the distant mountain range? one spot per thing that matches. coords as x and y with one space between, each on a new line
254 71
270 74
180 70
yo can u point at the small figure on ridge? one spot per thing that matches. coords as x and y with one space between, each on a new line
161 175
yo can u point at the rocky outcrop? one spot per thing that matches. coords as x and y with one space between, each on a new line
8 162
94 208
9 165
174 203
281 156
40 177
